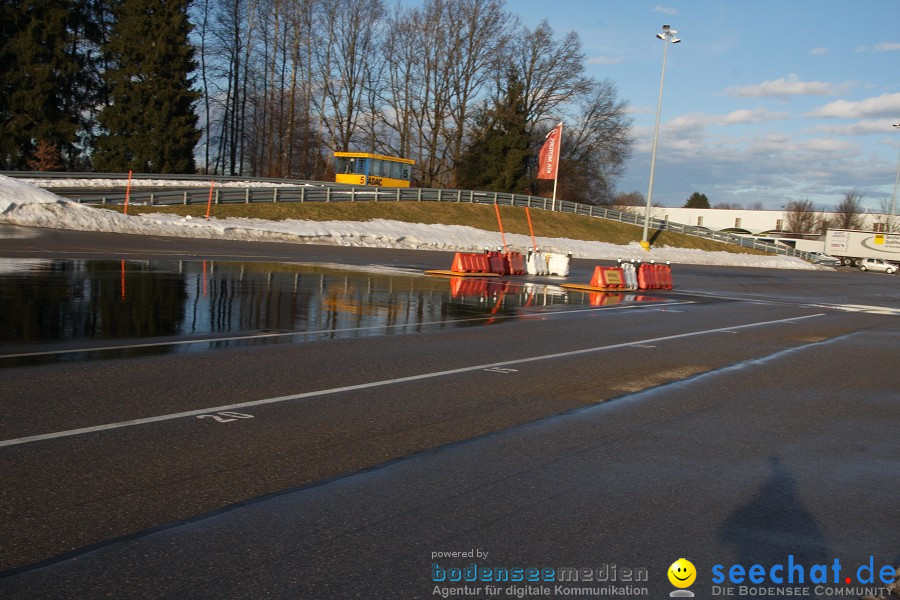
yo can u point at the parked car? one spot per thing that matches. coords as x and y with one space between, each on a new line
877 264
823 259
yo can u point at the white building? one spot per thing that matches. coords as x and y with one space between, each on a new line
750 221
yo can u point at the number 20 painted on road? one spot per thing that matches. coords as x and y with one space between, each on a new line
226 416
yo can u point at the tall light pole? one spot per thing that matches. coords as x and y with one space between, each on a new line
667 36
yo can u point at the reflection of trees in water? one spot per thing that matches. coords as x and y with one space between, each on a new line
471 308
66 300
240 297
85 299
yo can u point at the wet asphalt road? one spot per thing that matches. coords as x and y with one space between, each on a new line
751 418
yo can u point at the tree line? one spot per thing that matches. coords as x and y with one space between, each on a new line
803 217
274 87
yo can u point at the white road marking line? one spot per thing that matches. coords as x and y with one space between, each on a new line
256 336
724 297
863 308
384 382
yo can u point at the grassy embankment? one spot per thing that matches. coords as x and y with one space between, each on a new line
546 223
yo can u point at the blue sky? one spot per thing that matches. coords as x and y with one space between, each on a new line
764 101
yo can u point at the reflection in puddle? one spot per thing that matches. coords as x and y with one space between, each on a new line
74 309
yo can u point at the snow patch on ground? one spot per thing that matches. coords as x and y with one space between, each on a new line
24 204
143 182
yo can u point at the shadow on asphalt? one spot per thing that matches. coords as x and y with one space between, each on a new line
774 523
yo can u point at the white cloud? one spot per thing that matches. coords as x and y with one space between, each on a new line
830 146
863 127
757 115
784 87
666 10
694 122
641 110
768 166
885 105
882 47
818 51
605 60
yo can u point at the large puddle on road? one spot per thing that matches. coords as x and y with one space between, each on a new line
52 310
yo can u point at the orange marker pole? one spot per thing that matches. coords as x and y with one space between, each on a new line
500 221
209 202
531 229
127 191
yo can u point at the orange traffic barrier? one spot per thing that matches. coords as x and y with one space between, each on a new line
461 263
661 276
466 262
497 263
646 277
655 277
608 277
516 262
667 276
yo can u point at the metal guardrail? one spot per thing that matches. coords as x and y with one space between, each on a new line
318 191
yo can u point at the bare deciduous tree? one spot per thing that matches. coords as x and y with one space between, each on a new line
848 213
596 145
345 60
400 92
888 219
801 217
627 199
482 30
287 81
550 69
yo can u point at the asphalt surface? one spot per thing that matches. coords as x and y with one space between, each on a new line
751 418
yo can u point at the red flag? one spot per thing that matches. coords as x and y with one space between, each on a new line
549 156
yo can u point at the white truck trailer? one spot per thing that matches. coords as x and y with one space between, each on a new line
853 246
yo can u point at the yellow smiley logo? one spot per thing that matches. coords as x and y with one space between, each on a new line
682 573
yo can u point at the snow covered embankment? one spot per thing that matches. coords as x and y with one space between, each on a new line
25 204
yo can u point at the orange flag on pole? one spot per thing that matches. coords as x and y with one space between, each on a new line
549 156
548 165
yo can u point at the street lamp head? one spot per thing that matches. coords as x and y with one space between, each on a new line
668 35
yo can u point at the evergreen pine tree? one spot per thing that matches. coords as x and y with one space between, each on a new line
149 125
697 200
498 156
42 79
